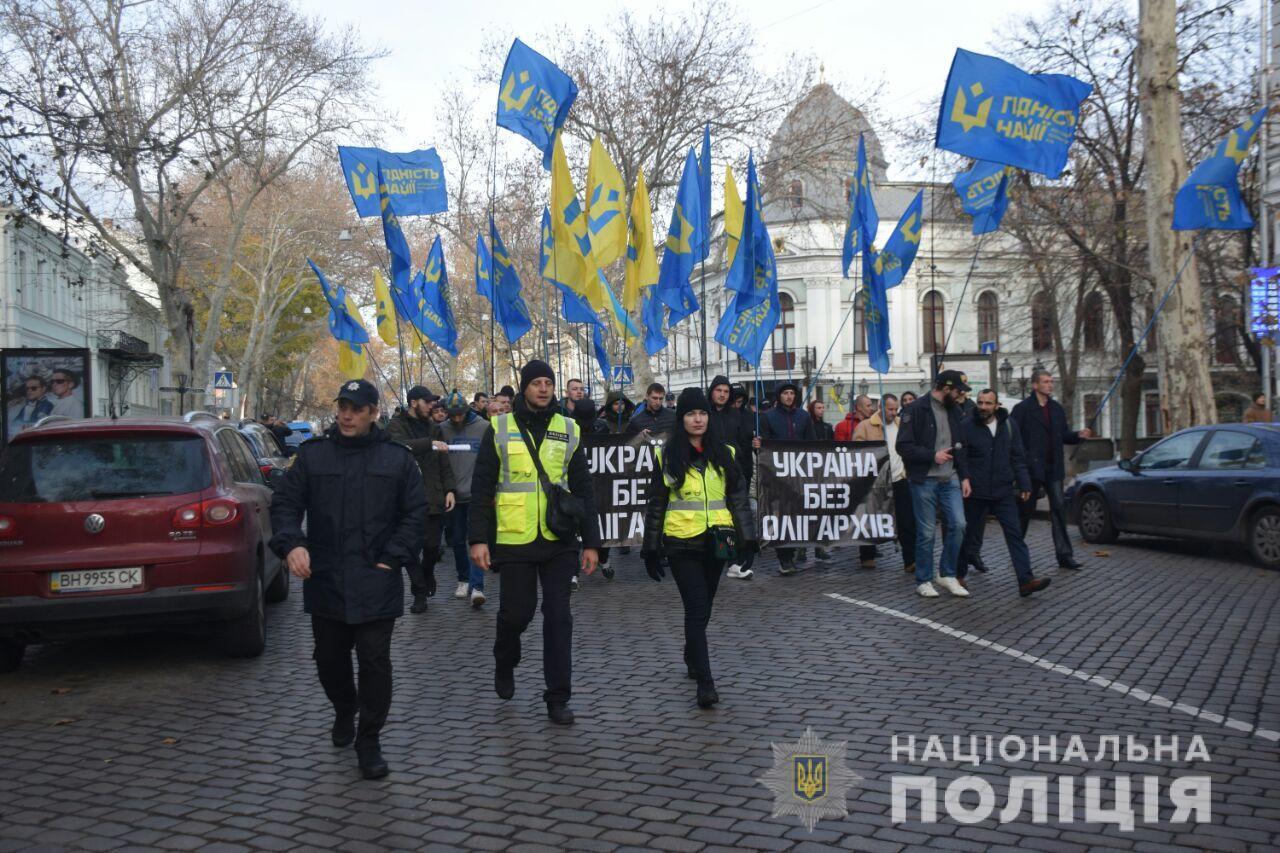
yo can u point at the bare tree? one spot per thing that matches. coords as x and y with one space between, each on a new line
139 110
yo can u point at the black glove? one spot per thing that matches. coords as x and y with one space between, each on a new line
653 565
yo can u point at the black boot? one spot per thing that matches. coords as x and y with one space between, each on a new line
707 695
559 713
344 728
977 563
693 673
419 604
372 764
504 683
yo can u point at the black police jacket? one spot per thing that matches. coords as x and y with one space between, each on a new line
917 434
364 504
995 462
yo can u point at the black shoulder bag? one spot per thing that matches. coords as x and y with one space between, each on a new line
566 512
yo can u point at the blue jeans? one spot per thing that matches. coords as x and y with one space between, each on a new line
926 497
455 521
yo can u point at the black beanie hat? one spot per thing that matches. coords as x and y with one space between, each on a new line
536 369
691 399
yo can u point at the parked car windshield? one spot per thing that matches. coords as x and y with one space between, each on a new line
69 468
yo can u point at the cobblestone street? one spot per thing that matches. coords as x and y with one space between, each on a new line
157 741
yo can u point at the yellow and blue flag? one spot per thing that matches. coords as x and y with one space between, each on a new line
704 192
386 311
352 361
415 179
572 261
753 273
617 315
1210 197
393 236
435 316
984 194
863 219
734 213
606 206
534 98
344 319
651 314
509 308
641 271
573 307
875 312
684 238
992 110
901 247
484 269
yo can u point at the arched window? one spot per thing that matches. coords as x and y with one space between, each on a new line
933 322
1094 325
796 194
1226 322
860 321
988 319
1042 317
784 334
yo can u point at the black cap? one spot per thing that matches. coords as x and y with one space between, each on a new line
420 392
507 391
358 391
953 379
535 369
691 399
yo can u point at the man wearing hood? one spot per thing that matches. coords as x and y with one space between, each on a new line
786 421
462 433
730 426
415 429
509 534
365 506
617 412
997 466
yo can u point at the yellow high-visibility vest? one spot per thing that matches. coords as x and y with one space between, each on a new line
521 507
698 503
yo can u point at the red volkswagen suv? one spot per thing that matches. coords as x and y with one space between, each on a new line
112 526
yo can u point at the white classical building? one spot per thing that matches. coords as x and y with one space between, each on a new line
56 294
1002 302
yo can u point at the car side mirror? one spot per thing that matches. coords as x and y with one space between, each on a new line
275 477
1129 465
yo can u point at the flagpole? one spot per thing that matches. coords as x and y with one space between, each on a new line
960 302
816 376
404 370
369 352
702 271
493 264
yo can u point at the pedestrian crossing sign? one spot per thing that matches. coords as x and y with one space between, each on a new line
222 380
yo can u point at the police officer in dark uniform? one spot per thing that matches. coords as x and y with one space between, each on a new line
366 512
509 533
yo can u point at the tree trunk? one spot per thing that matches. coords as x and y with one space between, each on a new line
1183 342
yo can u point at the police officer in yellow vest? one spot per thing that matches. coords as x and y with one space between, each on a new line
700 517
508 533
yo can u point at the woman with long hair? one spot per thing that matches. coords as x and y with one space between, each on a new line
700 518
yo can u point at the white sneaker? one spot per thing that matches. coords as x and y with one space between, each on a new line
926 590
952 586
461 591
573 584
477 598
736 571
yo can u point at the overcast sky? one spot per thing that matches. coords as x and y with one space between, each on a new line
434 44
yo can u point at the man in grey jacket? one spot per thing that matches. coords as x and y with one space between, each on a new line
462 432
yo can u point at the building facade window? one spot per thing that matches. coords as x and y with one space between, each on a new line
933 324
1042 315
784 335
1094 323
988 319
795 194
1151 409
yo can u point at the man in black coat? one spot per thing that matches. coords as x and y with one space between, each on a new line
929 437
1042 425
996 466
789 422
730 424
365 508
653 418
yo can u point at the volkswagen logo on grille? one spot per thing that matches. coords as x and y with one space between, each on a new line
95 523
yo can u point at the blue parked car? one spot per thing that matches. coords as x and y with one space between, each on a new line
1219 483
302 430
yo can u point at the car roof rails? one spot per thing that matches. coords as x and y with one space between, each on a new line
193 415
48 419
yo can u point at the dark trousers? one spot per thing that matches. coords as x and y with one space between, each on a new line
422 574
1057 515
697 576
904 518
372 643
1005 510
518 598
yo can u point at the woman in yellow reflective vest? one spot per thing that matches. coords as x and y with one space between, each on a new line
700 518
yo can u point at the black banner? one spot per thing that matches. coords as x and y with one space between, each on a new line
824 493
621 471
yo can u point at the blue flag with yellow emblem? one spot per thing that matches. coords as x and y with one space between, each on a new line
863 218
393 236
534 97
747 330
342 325
984 194
602 354
900 250
651 313
875 312
748 275
509 308
415 179
484 269
992 110
435 315
1210 197
684 238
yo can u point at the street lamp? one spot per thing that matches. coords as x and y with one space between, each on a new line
1006 376
863 386
838 388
